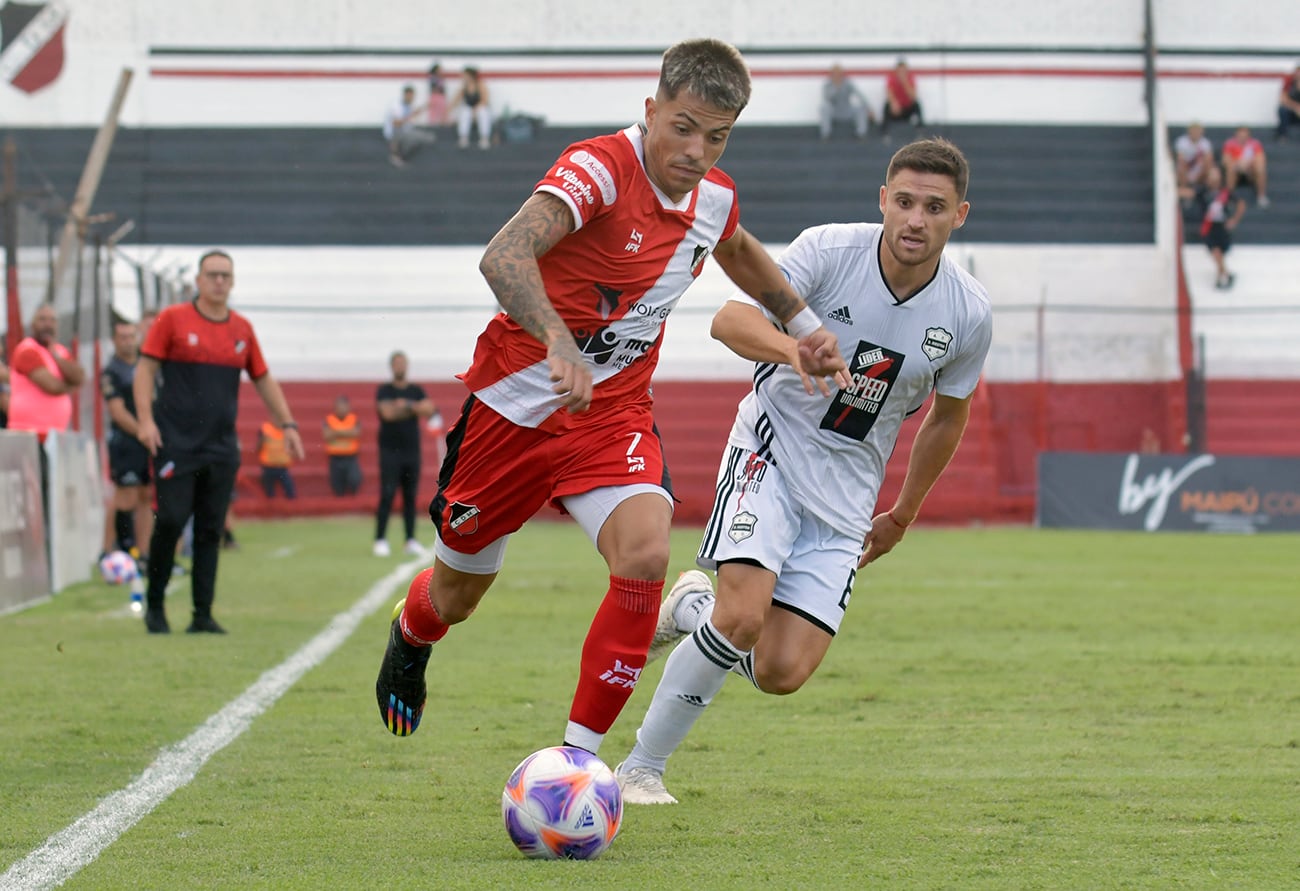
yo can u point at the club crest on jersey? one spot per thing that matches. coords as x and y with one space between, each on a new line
463 519
742 526
936 343
607 301
239 346
697 258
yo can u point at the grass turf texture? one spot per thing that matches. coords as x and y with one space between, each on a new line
1004 708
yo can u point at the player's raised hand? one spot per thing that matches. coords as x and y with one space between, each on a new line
819 359
570 375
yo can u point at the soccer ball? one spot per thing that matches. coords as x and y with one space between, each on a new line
562 803
118 568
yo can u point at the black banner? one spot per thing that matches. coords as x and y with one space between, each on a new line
1168 492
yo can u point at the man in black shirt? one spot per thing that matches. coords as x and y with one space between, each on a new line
128 460
401 405
201 348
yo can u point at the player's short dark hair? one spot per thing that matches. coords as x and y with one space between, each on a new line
934 155
708 69
214 253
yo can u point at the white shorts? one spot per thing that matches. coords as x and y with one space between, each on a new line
755 519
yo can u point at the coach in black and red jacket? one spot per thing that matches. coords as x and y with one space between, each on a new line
200 348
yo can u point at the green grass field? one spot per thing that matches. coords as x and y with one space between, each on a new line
1004 709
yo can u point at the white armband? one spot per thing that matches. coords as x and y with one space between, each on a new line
804 323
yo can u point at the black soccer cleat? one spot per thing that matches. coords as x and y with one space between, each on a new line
155 621
400 689
204 625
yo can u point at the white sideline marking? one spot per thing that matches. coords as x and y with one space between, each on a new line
281 553
68 851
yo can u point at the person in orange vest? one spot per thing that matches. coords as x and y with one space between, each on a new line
343 443
275 459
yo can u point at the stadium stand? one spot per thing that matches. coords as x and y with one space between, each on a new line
299 186
1033 185
1277 224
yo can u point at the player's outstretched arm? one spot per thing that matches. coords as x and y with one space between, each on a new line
510 266
748 264
935 444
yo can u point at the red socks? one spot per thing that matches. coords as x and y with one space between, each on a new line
615 651
421 625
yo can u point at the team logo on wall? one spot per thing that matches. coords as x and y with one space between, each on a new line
31 43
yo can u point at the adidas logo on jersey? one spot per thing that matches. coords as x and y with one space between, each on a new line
841 315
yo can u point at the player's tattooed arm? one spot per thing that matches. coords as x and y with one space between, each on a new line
510 266
748 264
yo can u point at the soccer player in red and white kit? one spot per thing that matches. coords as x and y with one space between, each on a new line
560 407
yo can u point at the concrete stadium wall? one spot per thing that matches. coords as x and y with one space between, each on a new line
206 63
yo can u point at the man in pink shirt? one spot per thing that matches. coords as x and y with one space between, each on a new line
1243 160
43 378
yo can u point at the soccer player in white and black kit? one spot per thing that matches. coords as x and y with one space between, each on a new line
792 522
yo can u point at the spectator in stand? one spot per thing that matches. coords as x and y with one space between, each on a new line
275 460
128 459
42 378
404 137
1193 158
1244 162
471 107
1217 226
342 433
437 115
401 405
1288 104
841 101
902 102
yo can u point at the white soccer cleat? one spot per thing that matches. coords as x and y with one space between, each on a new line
691 583
641 785
381 548
413 547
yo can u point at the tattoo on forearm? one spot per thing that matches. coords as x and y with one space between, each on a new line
783 304
510 264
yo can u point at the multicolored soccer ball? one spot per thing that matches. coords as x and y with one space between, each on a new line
562 803
118 568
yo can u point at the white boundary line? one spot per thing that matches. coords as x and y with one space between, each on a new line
68 851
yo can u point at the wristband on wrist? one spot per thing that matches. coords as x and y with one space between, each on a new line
289 425
900 524
805 322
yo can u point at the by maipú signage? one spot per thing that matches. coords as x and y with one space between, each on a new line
1211 493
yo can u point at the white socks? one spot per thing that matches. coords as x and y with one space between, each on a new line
694 673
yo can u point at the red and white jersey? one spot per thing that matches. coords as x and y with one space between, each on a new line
613 280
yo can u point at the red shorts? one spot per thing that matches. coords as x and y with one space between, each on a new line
497 474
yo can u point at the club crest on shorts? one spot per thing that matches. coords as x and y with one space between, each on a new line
936 342
463 519
742 526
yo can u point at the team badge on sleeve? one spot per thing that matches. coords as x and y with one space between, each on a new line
936 342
